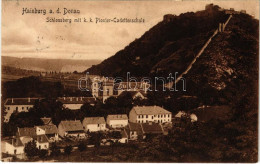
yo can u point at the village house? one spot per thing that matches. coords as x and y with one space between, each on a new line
152 128
13 146
114 137
124 137
41 141
46 121
71 129
117 120
50 131
17 105
144 114
75 103
28 134
94 124
139 131
134 131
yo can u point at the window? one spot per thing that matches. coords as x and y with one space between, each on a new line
97 125
158 116
8 108
22 108
107 91
146 116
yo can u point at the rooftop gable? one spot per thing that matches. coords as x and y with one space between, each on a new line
152 128
49 129
72 125
47 121
117 117
30 132
94 120
21 101
76 100
16 142
150 110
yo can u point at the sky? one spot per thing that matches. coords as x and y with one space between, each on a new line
29 35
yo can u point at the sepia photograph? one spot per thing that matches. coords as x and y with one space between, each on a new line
173 81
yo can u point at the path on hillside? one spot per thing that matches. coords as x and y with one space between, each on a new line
221 28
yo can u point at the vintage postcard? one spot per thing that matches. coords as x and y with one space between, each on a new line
129 81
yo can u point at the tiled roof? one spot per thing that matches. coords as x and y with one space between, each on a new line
72 125
26 139
152 128
46 121
94 120
150 110
135 127
16 142
49 129
30 132
21 101
117 117
76 100
41 138
124 134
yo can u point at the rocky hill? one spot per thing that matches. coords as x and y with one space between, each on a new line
227 65
167 47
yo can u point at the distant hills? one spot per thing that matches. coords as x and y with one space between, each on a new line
40 64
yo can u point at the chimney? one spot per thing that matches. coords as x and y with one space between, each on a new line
70 98
64 98
29 99
77 99
81 98
12 100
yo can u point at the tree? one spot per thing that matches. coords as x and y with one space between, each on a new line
68 150
43 153
82 147
30 149
55 151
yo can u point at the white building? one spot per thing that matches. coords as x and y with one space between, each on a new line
12 146
117 120
17 105
75 103
94 124
51 132
42 141
143 114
